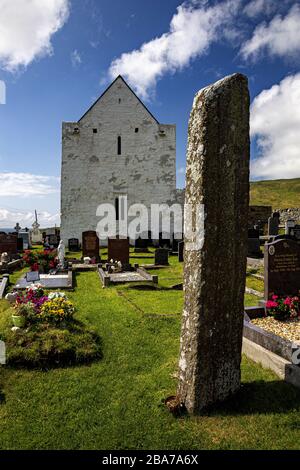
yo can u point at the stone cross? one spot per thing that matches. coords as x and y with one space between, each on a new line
217 177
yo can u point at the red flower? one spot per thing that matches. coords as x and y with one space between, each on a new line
271 304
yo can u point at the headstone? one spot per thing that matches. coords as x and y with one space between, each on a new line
180 251
295 232
253 233
26 239
288 225
141 244
164 242
73 244
215 267
254 248
162 257
118 250
90 245
8 243
258 215
53 240
282 268
273 224
20 244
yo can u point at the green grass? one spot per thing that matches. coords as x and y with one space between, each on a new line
279 194
116 403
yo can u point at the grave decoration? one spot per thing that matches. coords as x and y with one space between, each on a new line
114 272
41 261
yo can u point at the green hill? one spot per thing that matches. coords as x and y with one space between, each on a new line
280 194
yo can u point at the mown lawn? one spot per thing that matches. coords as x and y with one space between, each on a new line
116 403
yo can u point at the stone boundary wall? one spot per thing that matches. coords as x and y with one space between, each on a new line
290 213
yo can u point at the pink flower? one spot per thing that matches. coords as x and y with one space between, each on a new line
287 301
274 297
271 304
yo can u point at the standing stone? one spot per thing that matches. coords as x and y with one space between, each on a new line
214 274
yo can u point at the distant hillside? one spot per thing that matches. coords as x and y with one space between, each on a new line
280 194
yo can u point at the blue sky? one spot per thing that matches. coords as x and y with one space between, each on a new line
57 57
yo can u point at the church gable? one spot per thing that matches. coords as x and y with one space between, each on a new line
117 98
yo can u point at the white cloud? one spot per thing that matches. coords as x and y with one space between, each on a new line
275 121
281 37
256 7
75 58
9 218
2 92
192 30
26 29
27 184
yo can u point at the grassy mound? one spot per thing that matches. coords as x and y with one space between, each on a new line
44 346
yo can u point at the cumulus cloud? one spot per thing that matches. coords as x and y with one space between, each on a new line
27 184
256 7
9 218
193 29
26 29
275 122
281 37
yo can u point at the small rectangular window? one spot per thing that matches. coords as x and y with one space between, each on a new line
95 131
119 146
117 208
136 130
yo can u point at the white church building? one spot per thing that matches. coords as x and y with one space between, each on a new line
117 148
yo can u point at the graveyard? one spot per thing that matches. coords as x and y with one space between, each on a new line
152 343
117 401
149 228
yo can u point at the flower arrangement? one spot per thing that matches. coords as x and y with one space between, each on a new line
35 306
41 260
57 295
57 310
282 308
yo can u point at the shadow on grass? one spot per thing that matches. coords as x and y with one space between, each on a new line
2 397
260 397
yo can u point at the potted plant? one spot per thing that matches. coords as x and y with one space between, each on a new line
21 313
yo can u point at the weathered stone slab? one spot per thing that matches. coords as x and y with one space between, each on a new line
57 281
282 268
217 176
3 285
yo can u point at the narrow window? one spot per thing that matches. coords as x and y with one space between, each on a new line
119 100
136 130
119 145
117 208
95 131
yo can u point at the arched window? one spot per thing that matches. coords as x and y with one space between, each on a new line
119 145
